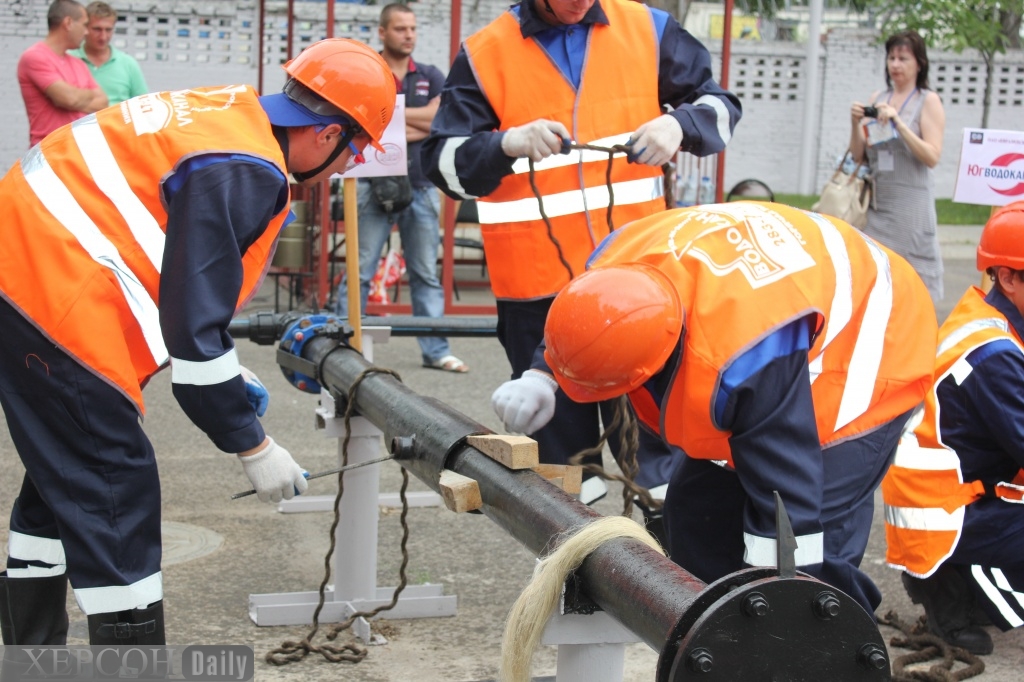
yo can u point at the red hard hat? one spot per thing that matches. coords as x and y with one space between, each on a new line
1002 240
352 77
611 329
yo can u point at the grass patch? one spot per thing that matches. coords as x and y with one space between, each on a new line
948 213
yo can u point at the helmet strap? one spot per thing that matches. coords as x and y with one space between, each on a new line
343 140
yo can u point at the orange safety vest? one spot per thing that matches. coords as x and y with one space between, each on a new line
618 93
924 491
85 223
746 269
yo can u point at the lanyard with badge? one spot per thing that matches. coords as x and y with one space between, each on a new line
878 133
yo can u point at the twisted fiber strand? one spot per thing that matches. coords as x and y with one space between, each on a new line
928 647
292 651
611 196
629 439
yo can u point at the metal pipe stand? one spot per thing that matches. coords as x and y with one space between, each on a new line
355 555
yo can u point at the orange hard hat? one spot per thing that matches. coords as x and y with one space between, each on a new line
1002 240
353 78
611 329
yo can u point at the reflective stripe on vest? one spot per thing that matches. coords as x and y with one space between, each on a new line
616 96
85 225
759 267
924 493
573 201
56 198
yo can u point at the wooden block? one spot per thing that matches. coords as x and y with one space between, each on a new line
515 452
570 477
460 493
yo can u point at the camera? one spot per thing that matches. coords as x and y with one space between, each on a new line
870 112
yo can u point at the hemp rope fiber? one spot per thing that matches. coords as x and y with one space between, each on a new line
928 647
537 602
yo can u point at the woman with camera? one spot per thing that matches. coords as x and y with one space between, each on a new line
900 135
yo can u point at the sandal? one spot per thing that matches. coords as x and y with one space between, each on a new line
448 363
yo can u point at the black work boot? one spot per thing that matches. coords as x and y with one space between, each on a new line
134 626
33 610
949 605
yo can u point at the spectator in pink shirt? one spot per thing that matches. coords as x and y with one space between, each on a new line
58 88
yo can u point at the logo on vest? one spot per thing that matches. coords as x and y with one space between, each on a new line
153 112
760 244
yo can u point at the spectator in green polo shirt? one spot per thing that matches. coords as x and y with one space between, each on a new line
116 72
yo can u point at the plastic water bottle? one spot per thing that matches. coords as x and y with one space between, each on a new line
707 191
688 194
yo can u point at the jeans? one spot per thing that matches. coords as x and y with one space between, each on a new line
419 228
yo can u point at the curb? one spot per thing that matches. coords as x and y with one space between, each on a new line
959 241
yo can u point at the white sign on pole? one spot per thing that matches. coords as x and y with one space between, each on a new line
394 159
991 170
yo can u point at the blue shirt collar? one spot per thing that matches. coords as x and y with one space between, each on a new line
998 300
530 23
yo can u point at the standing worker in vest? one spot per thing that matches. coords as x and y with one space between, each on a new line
117 72
954 495
418 223
780 349
546 72
132 238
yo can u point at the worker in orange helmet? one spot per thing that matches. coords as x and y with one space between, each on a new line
954 495
131 238
781 350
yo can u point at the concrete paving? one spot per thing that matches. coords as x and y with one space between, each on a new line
220 551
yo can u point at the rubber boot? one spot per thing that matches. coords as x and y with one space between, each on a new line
949 606
33 610
134 626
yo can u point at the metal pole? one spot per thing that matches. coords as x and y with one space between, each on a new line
264 328
808 147
724 82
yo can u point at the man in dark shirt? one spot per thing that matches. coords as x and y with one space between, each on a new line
418 224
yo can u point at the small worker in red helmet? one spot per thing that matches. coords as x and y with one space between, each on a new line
954 497
781 350
131 237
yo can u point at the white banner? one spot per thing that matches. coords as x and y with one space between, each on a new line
991 170
394 159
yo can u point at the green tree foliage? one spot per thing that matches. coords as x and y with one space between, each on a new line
989 26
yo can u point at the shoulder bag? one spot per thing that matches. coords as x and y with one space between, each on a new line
846 196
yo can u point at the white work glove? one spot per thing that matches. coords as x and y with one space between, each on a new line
537 139
657 141
526 404
255 391
274 474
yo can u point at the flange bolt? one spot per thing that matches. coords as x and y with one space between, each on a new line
826 605
873 656
755 605
700 660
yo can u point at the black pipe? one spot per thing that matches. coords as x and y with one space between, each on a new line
265 328
749 624
529 508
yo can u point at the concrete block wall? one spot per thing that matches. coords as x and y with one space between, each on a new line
854 70
182 44
212 42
